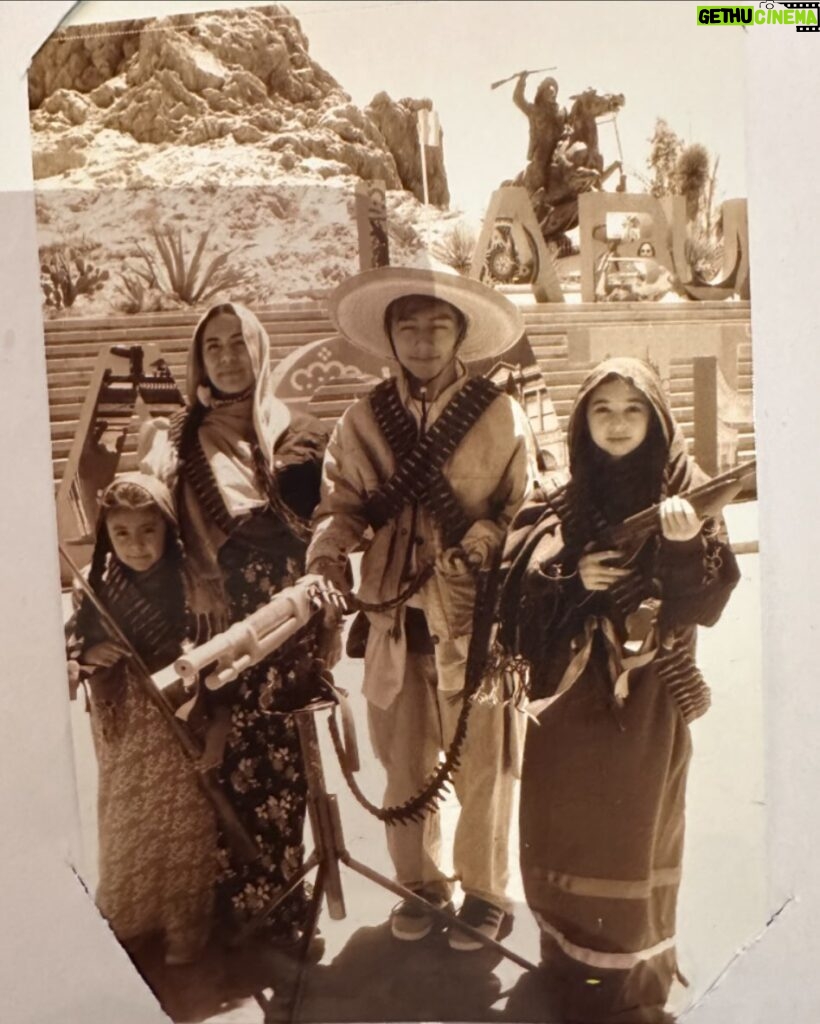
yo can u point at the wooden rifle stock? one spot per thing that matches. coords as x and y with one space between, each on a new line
707 500
235 832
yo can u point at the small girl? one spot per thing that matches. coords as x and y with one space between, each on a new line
157 836
609 636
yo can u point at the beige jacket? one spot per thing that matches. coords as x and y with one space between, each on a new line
491 473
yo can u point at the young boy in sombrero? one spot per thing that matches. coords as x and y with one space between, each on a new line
427 528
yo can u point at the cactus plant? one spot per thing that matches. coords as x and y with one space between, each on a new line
67 274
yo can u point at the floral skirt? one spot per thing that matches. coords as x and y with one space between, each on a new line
262 768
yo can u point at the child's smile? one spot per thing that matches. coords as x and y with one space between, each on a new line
617 417
137 536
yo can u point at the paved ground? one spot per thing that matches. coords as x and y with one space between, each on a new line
364 975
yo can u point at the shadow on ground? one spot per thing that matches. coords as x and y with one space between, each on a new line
374 978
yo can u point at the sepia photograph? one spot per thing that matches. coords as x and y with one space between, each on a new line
400 385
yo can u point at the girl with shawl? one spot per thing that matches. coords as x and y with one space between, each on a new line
245 473
609 637
157 837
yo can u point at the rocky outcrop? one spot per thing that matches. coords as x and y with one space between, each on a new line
80 60
242 77
397 122
220 123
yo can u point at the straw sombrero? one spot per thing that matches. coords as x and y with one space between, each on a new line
357 308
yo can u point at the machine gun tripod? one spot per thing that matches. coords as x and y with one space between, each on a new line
330 851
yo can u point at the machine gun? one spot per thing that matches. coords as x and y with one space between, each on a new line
120 387
221 659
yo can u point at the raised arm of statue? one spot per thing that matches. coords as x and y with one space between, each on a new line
518 94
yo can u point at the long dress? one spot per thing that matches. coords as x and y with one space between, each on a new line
245 472
157 835
602 810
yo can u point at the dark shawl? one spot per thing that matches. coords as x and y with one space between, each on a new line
544 606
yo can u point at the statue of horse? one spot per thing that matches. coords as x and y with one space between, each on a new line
587 106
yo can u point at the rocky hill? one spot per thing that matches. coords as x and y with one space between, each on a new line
217 123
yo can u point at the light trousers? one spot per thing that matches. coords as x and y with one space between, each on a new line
408 738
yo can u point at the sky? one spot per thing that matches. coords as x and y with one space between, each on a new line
656 54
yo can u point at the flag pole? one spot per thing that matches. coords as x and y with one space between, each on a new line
423 134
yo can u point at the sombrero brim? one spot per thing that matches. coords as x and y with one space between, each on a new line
357 308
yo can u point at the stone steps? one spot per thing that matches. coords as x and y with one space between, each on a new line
72 346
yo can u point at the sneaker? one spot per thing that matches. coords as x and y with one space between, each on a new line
409 921
484 917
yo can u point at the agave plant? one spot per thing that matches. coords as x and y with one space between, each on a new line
456 248
192 281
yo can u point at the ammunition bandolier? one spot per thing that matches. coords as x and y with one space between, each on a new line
197 470
418 477
148 627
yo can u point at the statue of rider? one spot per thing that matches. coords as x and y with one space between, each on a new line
547 123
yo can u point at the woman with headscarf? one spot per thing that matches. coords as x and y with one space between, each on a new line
609 637
245 472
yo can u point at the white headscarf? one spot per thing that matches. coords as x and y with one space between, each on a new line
271 416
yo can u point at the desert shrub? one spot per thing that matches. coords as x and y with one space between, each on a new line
704 254
65 274
137 293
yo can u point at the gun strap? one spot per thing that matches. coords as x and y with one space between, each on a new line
418 476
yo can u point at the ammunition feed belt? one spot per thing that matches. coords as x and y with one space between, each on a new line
419 478
430 795
413 587
433 791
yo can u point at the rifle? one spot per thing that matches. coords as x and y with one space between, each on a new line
518 74
707 500
154 687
